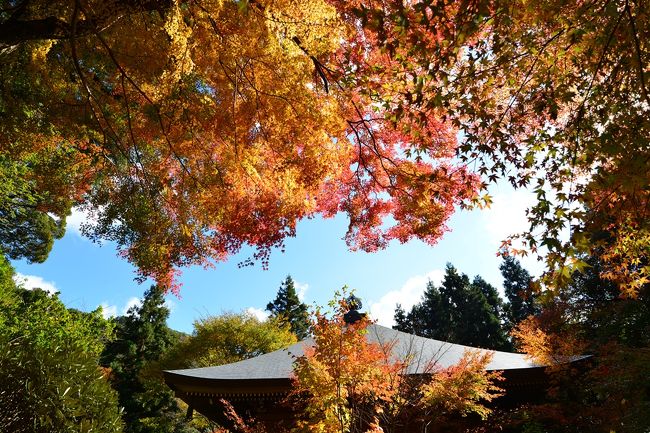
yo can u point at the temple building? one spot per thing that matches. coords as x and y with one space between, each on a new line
257 387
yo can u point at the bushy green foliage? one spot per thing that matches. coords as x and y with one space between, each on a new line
608 391
50 380
228 338
614 393
26 231
595 307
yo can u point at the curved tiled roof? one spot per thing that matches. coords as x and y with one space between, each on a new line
421 352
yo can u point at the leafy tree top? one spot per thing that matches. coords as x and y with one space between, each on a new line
228 338
25 230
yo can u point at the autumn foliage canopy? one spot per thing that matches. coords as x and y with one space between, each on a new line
191 128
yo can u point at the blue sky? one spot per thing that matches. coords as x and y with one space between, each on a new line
88 275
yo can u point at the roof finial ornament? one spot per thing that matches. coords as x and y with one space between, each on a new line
353 315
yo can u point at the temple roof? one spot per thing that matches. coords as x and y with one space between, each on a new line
422 353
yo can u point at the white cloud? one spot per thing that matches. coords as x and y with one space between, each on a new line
301 290
108 310
80 217
112 310
75 220
132 302
260 314
507 214
408 295
31 282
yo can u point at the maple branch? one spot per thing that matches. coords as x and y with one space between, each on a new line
228 70
152 103
529 73
89 94
375 148
637 47
362 161
139 166
320 68
317 64
598 67
497 67
270 95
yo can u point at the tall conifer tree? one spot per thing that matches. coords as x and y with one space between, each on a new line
142 337
459 311
287 305
517 284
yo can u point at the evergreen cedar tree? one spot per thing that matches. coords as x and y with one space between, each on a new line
141 338
188 129
287 306
471 312
519 289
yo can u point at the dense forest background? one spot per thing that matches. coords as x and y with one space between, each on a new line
66 370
